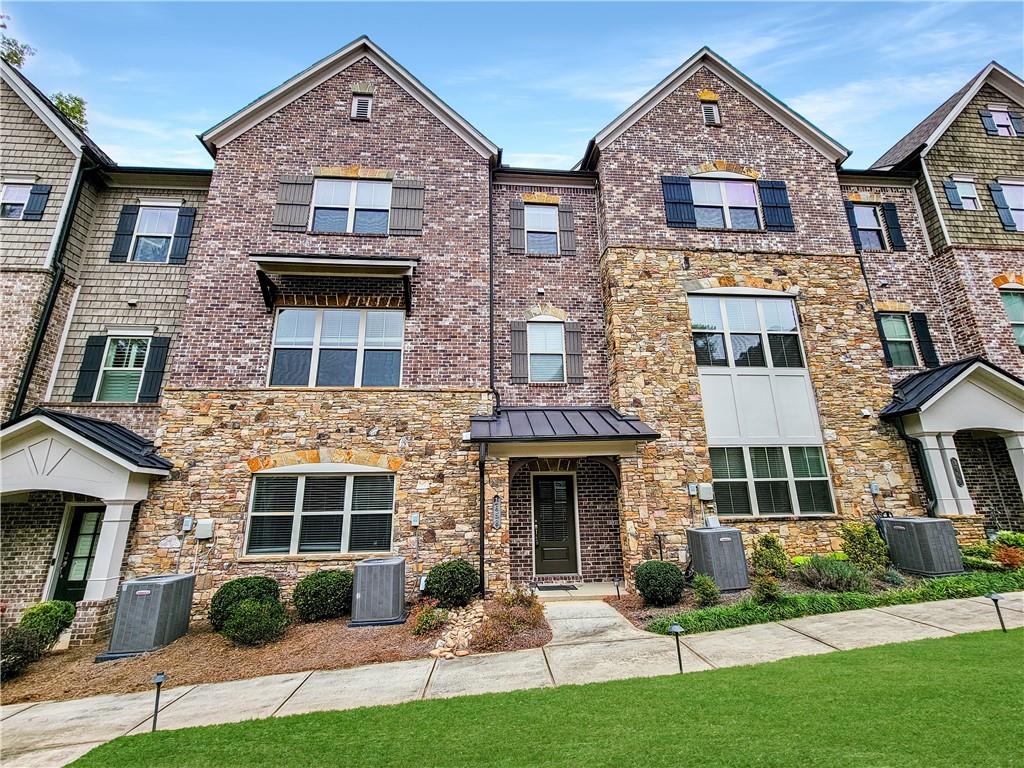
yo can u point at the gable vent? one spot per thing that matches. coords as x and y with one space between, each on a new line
711 114
362 106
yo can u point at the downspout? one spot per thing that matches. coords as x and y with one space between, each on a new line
922 460
482 465
51 298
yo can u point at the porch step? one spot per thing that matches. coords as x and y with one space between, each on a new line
583 591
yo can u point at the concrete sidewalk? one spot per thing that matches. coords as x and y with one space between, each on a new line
591 642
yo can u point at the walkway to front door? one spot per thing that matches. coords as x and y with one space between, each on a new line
554 525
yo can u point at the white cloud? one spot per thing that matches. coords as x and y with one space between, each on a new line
138 141
539 159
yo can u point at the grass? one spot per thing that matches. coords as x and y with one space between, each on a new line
951 702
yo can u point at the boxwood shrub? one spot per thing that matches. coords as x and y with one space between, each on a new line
233 592
255 622
48 620
768 556
452 583
19 647
660 582
323 595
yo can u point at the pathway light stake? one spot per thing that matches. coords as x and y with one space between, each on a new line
995 597
617 583
158 680
676 630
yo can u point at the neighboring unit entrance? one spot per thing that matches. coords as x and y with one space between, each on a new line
554 524
79 551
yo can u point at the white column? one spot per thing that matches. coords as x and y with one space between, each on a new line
1015 445
955 472
942 482
106 565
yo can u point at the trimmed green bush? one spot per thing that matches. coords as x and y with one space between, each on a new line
769 557
982 564
705 590
833 575
255 622
801 559
453 583
48 620
865 547
19 647
766 589
748 612
323 595
892 576
233 592
981 549
660 582
1011 539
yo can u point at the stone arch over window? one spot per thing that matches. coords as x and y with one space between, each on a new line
383 461
721 166
1008 280
740 281
546 311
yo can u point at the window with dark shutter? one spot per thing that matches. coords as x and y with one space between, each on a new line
953 195
778 215
851 219
520 353
291 214
990 124
123 235
679 208
929 356
182 235
90 370
892 223
1017 123
517 227
406 207
36 203
1003 207
566 229
574 353
153 375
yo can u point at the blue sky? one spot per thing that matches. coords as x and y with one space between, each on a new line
538 79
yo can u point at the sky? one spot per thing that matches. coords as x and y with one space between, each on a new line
538 79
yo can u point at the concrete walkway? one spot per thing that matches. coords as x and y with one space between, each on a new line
591 642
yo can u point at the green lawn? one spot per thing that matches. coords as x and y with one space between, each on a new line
955 701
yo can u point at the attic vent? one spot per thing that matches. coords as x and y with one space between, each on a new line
711 114
362 106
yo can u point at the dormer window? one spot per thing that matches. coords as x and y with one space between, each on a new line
710 112
362 107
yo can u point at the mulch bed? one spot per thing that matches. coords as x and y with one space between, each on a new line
528 637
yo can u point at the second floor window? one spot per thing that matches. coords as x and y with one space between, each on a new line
745 332
124 362
337 348
1002 121
1014 194
361 207
1014 303
968 194
725 204
869 227
546 343
898 341
154 231
541 229
13 200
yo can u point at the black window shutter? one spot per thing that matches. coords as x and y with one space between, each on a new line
36 203
406 207
90 370
520 354
291 214
988 122
182 235
924 340
679 211
1017 121
892 223
778 216
852 221
156 360
566 230
953 195
123 233
881 336
516 228
574 353
999 200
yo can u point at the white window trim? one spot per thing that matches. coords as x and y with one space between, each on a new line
161 203
716 112
959 178
721 178
882 229
1012 181
350 207
3 195
910 337
993 108
790 478
763 332
297 514
104 367
369 109
1012 323
527 230
314 363
550 320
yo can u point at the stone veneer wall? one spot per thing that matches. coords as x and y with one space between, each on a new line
29 535
990 479
24 297
654 375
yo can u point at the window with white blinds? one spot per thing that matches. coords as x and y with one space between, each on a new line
320 514
771 480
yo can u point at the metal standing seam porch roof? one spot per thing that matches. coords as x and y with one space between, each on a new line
914 392
554 424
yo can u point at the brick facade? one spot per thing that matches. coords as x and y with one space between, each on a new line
990 479
29 535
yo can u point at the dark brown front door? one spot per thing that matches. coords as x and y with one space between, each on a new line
79 551
554 524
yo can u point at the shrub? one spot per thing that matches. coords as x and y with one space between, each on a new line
766 589
865 547
892 576
982 549
323 595
660 582
427 617
517 596
452 583
982 564
705 590
504 622
19 647
233 592
256 622
801 559
769 557
833 575
48 620
1007 556
1011 539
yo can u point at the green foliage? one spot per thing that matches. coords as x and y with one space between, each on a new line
705 590
453 583
982 564
767 589
981 549
801 559
13 51
19 647
1011 539
865 547
233 592
748 612
256 622
769 557
427 617
323 595
660 582
72 107
517 596
48 620
833 575
892 576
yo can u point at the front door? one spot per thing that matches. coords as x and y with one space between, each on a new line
554 524
79 551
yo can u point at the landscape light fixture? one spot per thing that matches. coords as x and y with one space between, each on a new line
995 597
617 582
676 630
158 680
661 553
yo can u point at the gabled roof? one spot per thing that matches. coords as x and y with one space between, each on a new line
924 135
915 392
328 67
705 57
550 424
133 450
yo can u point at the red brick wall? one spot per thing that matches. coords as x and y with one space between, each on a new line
990 479
29 535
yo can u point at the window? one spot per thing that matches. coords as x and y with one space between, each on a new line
154 231
1001 117
337 348
1014 194
546 344
361 207
745 332
541 229
869 226
124 361
1014 303
709 111
321 513
898 341
362 106
770 480
13 200
725 204
968 194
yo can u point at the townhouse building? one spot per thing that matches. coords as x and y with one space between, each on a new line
362 333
